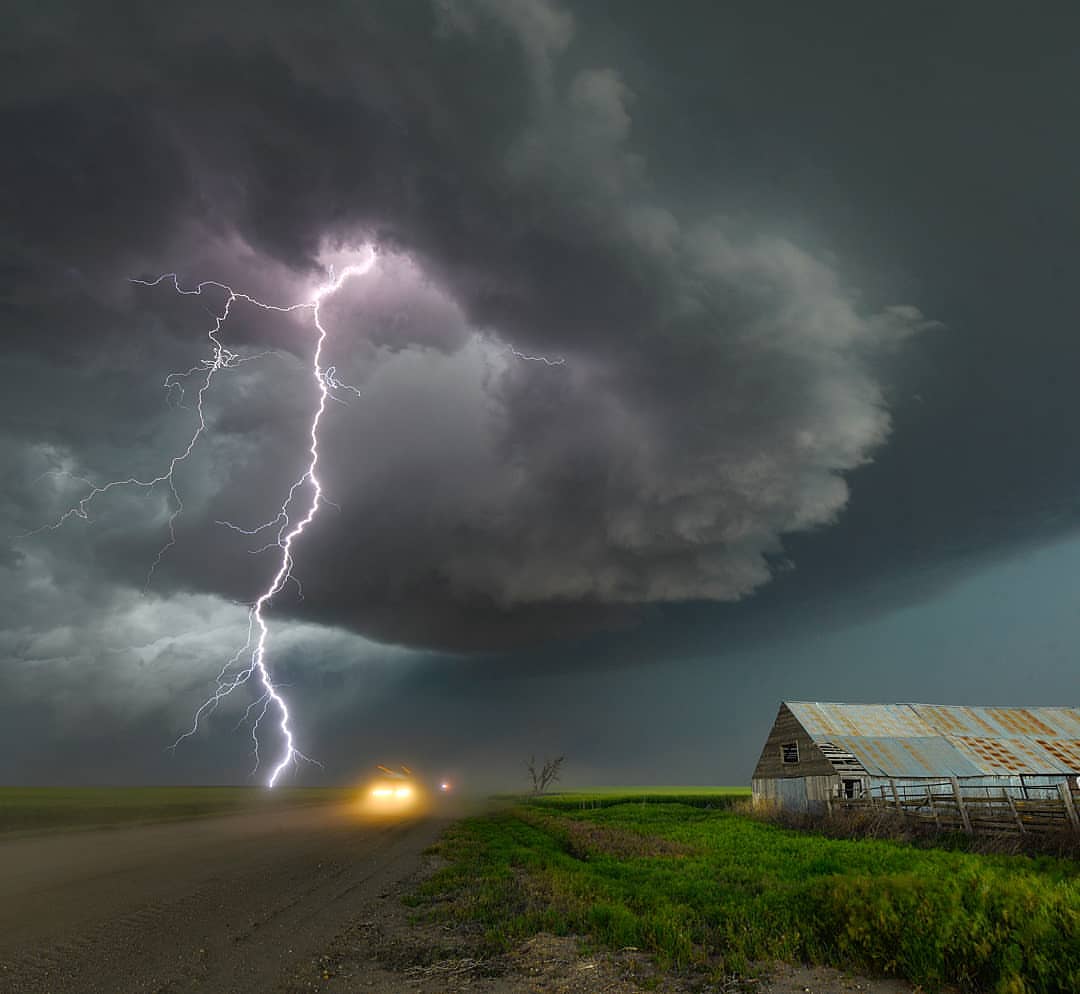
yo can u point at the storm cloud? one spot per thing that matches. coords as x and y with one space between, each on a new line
715 381
799 418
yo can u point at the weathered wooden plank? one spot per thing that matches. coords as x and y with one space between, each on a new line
960 803
1069 805
786 728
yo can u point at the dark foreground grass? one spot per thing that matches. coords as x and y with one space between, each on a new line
716 890
27 809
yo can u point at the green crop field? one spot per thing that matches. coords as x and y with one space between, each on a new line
714 889
667 790
37 808
599 797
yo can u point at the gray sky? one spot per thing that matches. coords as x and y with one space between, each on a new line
803 278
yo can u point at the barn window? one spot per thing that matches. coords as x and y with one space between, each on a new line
852 788
789 752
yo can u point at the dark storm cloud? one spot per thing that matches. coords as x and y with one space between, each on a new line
718 381
710 211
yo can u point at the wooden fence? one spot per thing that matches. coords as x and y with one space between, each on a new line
948 805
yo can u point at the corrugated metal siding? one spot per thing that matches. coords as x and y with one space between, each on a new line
1050 723
795 793
922 740
931 756
788 792
1018 755
827 721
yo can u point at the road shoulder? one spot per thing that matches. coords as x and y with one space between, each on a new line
387 951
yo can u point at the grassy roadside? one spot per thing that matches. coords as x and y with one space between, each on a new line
31 809
712 889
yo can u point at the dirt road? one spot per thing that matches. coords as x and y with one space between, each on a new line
228 904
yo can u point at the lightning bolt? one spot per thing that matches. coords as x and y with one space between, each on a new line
298 510
290 521
536 358
288 532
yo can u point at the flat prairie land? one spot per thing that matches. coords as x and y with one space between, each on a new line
714 891
695 796
667 790
32 809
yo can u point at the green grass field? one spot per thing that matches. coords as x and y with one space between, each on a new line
599 797
27 809
665 791
717 890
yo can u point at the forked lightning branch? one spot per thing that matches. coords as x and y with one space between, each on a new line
299 506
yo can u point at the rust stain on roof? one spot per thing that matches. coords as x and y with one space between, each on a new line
1064 750
995 755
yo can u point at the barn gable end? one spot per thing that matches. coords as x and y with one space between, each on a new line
787 730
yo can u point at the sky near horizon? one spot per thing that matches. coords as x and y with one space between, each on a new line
709 357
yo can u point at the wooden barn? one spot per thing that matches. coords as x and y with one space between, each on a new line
924 757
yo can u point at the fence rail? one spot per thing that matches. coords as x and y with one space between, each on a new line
948 805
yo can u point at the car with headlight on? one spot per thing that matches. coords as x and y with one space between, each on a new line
393 792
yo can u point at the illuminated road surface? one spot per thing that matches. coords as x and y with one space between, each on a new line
228 904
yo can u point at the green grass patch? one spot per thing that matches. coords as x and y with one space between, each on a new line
602 797
724 890
667 790
28 809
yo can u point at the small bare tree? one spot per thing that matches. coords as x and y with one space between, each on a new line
547 774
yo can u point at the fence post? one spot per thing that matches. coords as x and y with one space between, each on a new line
1070 808
895 796
1012 807
960 804
933 807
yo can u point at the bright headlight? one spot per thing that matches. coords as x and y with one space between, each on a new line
403 792
381 792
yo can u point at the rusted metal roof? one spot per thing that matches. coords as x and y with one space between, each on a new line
1051 723
929 740
916 757
829 720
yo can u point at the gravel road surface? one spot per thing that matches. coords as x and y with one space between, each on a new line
228 905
